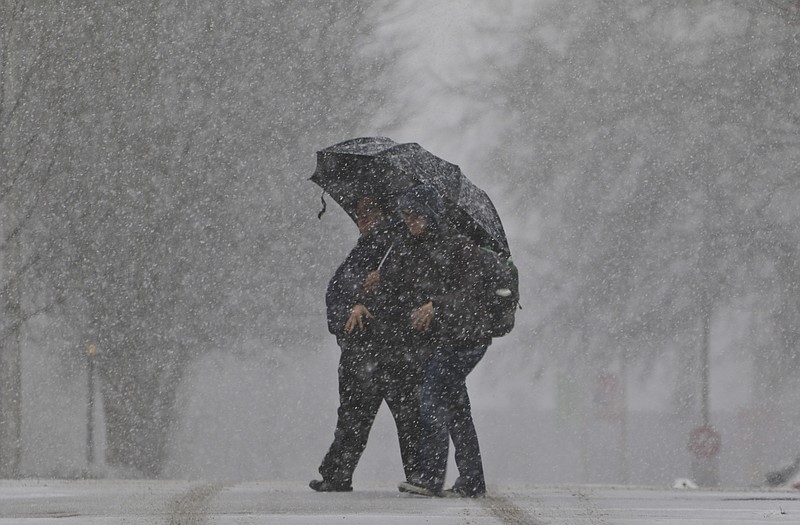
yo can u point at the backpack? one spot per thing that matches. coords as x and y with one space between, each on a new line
499 298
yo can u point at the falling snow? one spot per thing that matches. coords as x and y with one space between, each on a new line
155 203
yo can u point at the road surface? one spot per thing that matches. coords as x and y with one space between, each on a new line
103 502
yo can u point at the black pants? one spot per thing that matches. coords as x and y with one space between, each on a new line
367 376
446 413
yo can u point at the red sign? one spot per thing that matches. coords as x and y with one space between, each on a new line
705 442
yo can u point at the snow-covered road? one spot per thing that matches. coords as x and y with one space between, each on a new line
102 502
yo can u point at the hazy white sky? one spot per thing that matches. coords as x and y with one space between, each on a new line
446 48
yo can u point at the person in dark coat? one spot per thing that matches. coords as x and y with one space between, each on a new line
373 367
427 286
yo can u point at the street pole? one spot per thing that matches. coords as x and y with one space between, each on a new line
704 440
623 422
90 354
705 388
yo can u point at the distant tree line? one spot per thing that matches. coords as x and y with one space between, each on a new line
150 156
153 160
659 144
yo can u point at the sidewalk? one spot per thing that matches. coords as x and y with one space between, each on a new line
103 502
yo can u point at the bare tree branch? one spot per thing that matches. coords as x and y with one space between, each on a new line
789 8
19 273
32 208
16 173
7 115
11 330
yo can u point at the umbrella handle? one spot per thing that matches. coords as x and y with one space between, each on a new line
386 255
324 206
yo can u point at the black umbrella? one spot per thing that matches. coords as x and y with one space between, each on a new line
382 167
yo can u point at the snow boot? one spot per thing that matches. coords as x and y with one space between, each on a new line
330 486
415 488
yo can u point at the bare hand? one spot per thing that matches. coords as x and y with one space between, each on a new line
373 281
356 319
422 317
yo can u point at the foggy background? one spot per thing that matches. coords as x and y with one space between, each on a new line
155 203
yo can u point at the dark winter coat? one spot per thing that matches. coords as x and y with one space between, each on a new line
442 267
345 289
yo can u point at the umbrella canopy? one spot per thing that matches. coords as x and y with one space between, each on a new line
386 169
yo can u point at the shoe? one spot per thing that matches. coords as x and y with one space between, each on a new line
463 492
413 488
472 487
329 486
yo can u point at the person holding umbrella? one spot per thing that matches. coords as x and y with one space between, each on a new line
426 286
371 368
439 295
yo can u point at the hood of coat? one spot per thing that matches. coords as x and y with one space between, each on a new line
425 201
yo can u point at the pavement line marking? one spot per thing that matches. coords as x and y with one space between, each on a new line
508 512
191 508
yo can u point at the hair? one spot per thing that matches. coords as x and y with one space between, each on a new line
383 203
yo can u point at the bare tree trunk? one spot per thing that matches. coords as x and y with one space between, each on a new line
10 385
